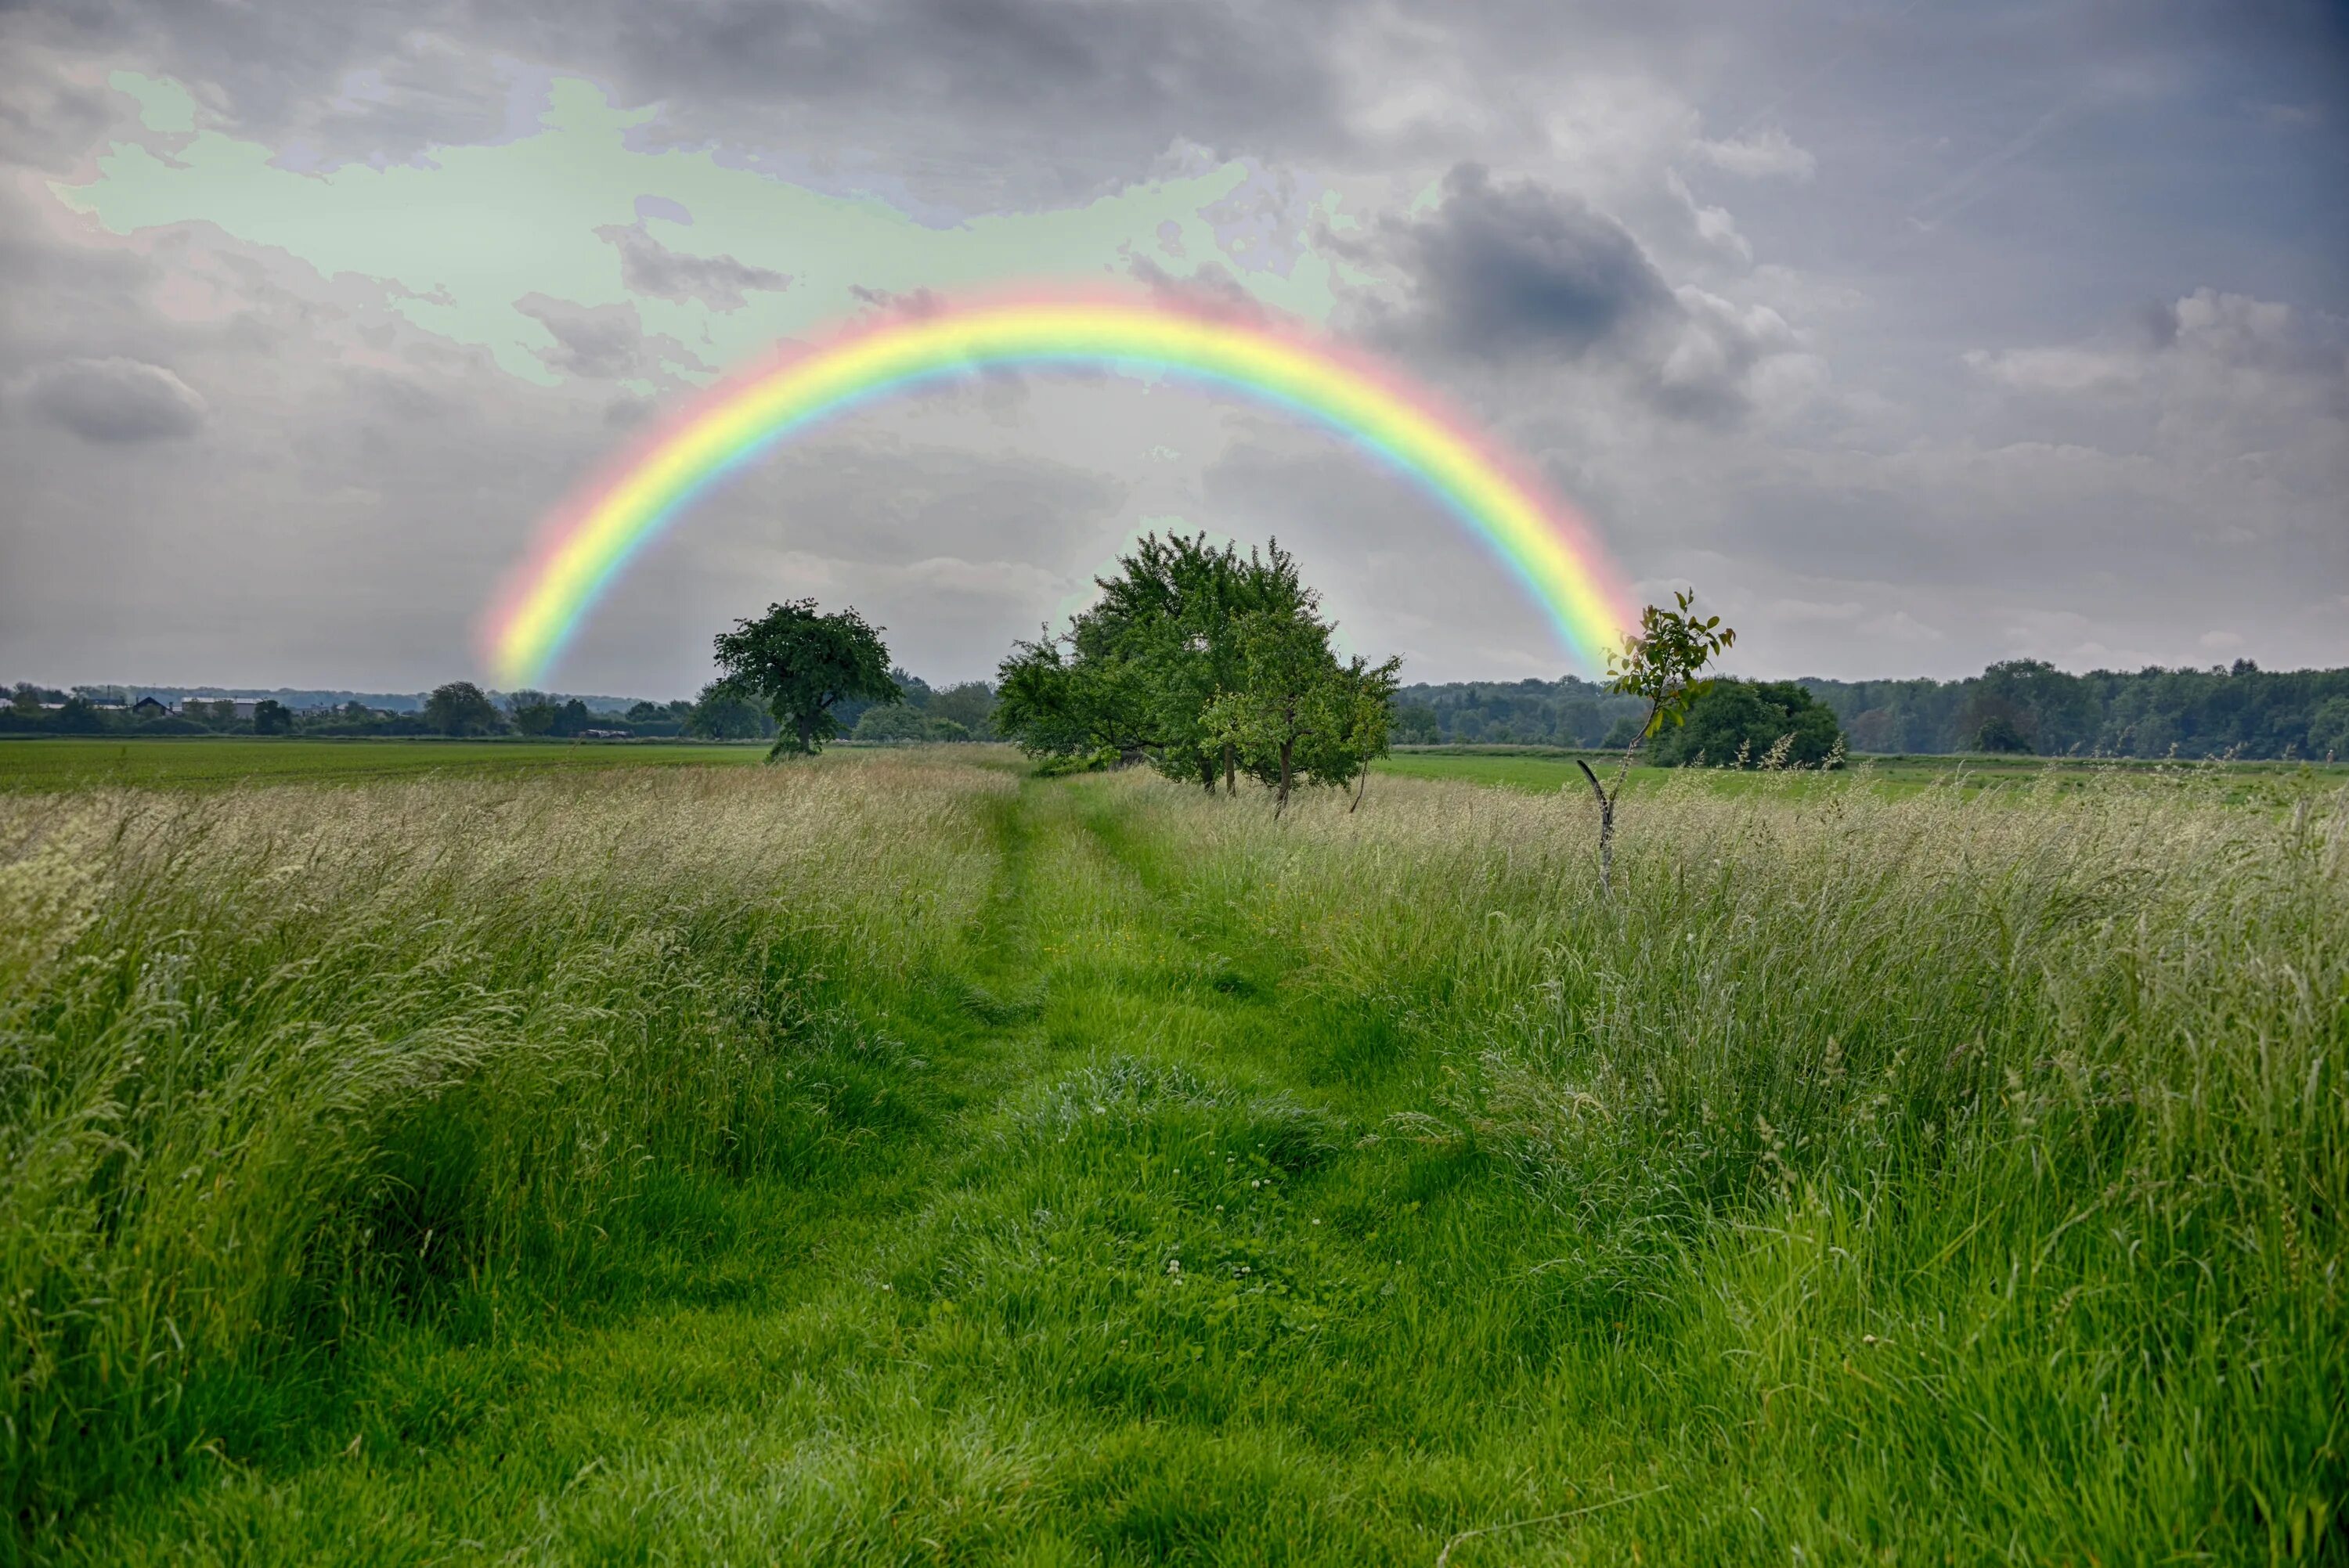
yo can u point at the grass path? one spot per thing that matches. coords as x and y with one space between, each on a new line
1122 1282
1125 1179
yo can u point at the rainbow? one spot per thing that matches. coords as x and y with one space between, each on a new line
584 546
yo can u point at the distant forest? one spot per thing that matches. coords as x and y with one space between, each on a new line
2022 706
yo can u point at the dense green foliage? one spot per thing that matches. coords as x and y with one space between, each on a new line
1570 711
2025 704
460 707
1206 664
2241 711
1751 724
888 1160
800 664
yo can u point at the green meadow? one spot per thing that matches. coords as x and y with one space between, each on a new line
208 763
902 1159
1542 769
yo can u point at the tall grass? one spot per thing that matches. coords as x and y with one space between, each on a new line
1958 1176
273 1062
1987 1155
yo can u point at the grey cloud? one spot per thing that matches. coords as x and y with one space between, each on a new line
1518 274
1937 497
603 341
1510 271
1760 155
116 400
647 266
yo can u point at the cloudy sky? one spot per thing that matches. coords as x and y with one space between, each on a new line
1914 335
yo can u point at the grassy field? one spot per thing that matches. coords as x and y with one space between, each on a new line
206 762
907 1161
1544 770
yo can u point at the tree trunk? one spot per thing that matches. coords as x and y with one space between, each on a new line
1280 802
1606 830
1231 785
1361 786
807 733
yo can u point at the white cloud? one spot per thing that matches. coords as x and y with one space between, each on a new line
1769 154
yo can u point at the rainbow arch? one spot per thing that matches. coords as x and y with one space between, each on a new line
587 543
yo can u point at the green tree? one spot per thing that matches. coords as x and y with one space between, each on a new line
1137 671
1744 724
532 712
1296 714
890 724
1661 664
970 706
1416 724
271 716
460 707
2328 730
1053 702
571 718
719 714
77 715
1999 733
800 664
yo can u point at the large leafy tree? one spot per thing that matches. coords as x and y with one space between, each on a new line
1135 672
802 663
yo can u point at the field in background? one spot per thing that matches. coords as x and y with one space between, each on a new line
905 1160
1543 770
209 762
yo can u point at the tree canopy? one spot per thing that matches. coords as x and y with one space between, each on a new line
802 663
460 707
1738 723
1204 662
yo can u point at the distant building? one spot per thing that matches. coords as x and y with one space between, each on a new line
210 706
148 707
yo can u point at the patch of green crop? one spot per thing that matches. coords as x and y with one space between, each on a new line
902 1161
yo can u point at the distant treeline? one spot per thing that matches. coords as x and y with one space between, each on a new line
2020 706
962 712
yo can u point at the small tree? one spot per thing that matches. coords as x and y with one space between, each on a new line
1296 713
800 664
1662 663
271 716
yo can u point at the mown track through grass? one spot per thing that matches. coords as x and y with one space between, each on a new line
1177 1208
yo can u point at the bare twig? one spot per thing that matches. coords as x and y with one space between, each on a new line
1445 1557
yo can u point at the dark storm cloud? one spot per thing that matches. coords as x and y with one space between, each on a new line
650 267
115 400
1511 270
1503 274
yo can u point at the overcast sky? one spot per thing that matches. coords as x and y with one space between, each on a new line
1913 335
